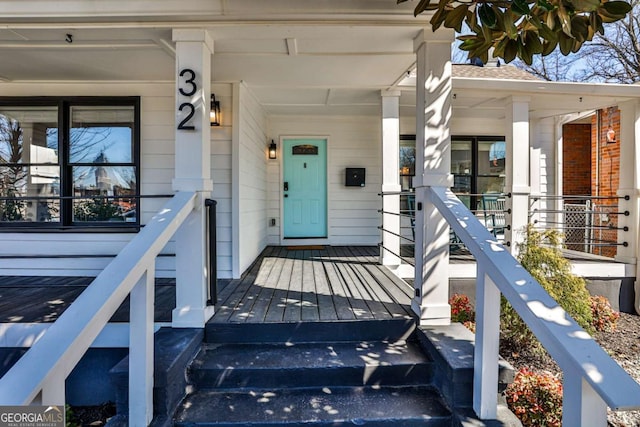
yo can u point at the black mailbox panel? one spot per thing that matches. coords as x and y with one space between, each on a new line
354 177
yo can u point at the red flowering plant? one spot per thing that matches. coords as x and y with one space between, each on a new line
605 318
461 310
536 398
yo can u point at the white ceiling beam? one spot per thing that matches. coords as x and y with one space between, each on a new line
102 44
167 46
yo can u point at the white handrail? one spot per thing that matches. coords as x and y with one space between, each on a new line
587 367
51 359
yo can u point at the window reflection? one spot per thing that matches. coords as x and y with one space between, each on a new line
29 164
101 152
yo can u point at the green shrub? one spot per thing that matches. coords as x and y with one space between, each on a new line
536 398
605 318
540 255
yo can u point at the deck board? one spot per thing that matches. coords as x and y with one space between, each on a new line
282 285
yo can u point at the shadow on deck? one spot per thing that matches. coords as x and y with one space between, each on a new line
313 284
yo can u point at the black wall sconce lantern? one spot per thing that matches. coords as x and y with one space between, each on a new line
214 115
272 150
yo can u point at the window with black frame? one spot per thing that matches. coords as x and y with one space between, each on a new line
477 166
69 163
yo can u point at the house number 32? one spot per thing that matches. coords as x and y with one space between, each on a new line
188 87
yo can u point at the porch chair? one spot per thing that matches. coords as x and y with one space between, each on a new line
454 240
411 211
493 208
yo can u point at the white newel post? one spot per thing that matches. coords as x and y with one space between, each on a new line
629 141
390 178
141 350
194 48
485 359
433 166
517 169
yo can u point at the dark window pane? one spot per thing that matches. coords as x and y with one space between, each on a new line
101 135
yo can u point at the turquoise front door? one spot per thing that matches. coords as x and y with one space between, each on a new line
304 188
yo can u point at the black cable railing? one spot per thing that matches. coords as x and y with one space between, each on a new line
20 212
407 210
589 224
488 207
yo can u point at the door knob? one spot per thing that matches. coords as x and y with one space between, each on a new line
286 186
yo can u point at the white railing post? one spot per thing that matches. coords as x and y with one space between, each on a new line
485 362
53 390
141 350
581 405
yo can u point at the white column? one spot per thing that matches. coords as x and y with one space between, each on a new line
390 178
433 167
517 169
194 48
629 141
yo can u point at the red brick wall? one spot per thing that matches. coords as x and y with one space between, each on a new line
576 159
606 182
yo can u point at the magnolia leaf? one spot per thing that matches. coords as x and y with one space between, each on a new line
498 50
524 28
510 50
580 27
532 42
487 15
525 53
509 27
521 7
587 5
437 19
595 21
617 7
551 19
544 4
454 17
549 46
565 19
422 6
566 43
547 34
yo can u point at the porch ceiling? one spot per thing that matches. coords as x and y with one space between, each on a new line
296 57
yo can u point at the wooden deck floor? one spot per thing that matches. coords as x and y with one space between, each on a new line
331 283
335 283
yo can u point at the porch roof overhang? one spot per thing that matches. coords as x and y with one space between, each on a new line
321 58
479 97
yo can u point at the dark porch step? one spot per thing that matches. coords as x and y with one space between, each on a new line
310 365
300 332
370 406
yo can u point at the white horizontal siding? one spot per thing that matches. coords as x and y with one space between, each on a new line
352 142
252 178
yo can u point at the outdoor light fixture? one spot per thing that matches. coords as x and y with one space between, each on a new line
611 133
272 150
214 115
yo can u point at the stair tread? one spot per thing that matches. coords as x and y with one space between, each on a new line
309 356
357 405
